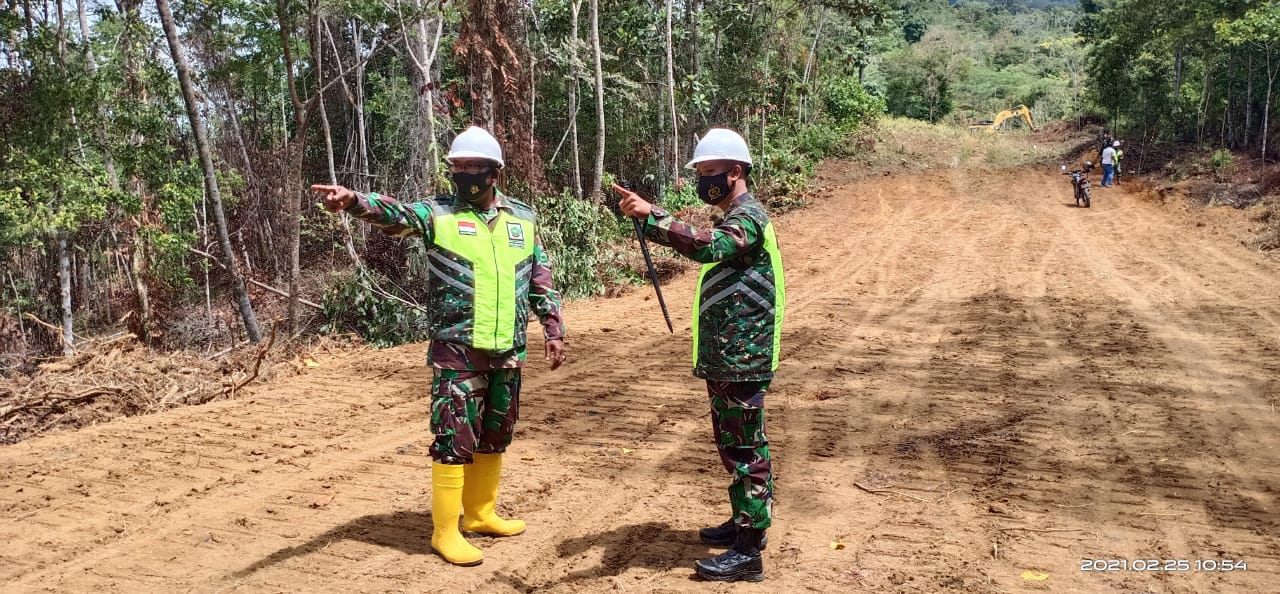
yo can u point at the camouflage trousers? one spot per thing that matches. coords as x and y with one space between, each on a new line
473 412
737 418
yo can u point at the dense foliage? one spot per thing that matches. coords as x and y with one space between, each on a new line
1197 71
110 213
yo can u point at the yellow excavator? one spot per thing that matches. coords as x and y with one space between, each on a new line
993 125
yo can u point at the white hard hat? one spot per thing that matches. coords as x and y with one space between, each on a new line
475 143
1116 143
720 143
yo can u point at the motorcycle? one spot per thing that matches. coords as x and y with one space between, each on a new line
1080 182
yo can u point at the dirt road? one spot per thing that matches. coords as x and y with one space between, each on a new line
979 380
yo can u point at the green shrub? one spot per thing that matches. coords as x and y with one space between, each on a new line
849 105
1221 162
685 197
573 231
356 304
819 140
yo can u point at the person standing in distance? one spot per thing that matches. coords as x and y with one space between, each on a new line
1109 164
737 331
487 270
1119 161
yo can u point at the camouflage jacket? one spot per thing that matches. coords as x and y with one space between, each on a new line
450 321
741 296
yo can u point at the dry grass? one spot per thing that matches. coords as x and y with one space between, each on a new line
914 145
118 377
1268 237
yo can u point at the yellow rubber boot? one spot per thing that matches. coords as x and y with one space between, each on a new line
446 502
480 497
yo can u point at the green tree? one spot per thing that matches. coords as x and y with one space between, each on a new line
1259 28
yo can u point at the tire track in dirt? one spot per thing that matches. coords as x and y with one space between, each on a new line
1182 405
129 474
1031 384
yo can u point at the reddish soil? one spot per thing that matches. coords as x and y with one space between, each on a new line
979 380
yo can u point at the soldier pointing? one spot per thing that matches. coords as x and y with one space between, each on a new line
488 271
737 331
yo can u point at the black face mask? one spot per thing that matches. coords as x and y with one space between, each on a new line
471 186
713 188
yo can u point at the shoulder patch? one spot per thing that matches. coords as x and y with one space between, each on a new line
441 204
521 208
756 211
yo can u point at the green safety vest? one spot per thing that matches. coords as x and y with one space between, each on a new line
740 308
480 277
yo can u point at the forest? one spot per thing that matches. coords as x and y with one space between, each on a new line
986 366
156 156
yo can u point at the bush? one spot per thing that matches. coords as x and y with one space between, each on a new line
685 197
1221 162
817 141
916 88
1268 238
849 104
355 303
573 231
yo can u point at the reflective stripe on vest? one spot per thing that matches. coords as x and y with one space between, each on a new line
771 297
499 270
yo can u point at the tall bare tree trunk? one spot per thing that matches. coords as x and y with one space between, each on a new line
64 253
1177 72
809 63
422 48
317 55
1272 71
355 144
1266 117
233 117
575 76
691 21
362 183
206 165
357 158
140 264
91 64
64 278
671 95
202 224
328 143
1248 102
660 140
533 103
484 22
292 196
62 36
141 268
1224 139
291 188
598 174
1202 114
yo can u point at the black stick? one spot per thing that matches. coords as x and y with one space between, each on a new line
653 274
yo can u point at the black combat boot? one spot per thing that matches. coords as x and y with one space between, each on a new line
740 563
725 535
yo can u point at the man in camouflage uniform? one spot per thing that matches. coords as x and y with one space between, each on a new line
737 332
487 270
